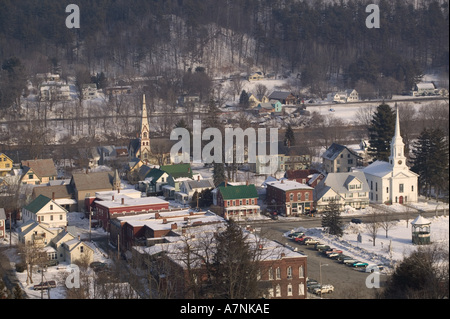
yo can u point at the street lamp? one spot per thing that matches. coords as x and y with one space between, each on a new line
320 277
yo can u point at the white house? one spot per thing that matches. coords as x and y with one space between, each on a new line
89 91
424 89
189 187
392 182
45 211
347 188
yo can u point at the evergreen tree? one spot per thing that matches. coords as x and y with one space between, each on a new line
381 132
431 160
331 218
289 138
218 173
244 99
235 265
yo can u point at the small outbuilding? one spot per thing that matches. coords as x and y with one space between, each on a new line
421 231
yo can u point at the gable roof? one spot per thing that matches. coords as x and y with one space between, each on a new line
153 173
41 167
36 205
280 95
92 181
339 182
335 149
61 191
238 192
178 170
301 173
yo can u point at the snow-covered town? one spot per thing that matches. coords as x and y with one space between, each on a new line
109 188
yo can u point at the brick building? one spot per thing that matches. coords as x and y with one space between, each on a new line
289 197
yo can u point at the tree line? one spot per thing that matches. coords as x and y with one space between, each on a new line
322 41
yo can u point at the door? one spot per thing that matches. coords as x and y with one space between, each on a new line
400 200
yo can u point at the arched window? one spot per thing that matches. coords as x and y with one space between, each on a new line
300 272
289 272
278 273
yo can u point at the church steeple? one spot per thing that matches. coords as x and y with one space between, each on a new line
144 151
397 158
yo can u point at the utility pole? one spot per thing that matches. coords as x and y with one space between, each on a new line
10 230
118 246
90 222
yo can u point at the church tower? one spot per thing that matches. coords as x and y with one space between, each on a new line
144 150
397 158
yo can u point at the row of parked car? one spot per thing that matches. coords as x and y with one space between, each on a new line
302 239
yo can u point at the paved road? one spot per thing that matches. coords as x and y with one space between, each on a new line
349 283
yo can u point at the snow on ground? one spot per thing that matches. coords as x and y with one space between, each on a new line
387 251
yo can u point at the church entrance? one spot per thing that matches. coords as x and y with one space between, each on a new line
400 200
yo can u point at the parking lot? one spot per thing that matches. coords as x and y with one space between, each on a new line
348 282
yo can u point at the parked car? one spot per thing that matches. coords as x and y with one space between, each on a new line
325 289
300 238
321 247
332 250
349 261
373 268
356 221
310 241
360 264
295 234
45 285
312 287
334 255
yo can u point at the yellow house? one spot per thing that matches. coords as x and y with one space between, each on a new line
6 164
78 250
36 172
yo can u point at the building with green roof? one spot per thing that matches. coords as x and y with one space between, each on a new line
45 211
238 202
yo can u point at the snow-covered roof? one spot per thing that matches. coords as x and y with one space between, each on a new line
286 185
378 168
420 220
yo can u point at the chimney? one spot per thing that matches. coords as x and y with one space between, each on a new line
123 200
198 178
165 221
157 216
174 226
283 255
246 183
113 197
226 182
79 238
53 196
186 219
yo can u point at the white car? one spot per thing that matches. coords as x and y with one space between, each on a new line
325 289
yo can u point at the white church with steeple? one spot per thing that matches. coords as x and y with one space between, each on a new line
392 182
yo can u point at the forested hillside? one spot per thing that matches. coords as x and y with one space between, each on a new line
320 40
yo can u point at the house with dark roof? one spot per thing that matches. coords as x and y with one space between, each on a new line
45 211
6 164
238 202
152 180
39 171
286 98
339 158
63 195
189 187
86 184
310 177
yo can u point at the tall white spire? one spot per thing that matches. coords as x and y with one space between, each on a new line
144 151
397 158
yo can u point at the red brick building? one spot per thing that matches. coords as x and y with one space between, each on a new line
105 210
289 197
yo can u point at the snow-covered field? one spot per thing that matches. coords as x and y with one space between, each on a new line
387 250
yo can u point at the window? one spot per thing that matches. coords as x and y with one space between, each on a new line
289 272
350 161
299 196
51 207
387 190
291 197
289 290
278 273
412 188
81 249
300 272
400 188
240 202
301 289
51 217
60 217
30 176
278 291
270 273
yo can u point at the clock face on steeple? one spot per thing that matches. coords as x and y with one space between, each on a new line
400 162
